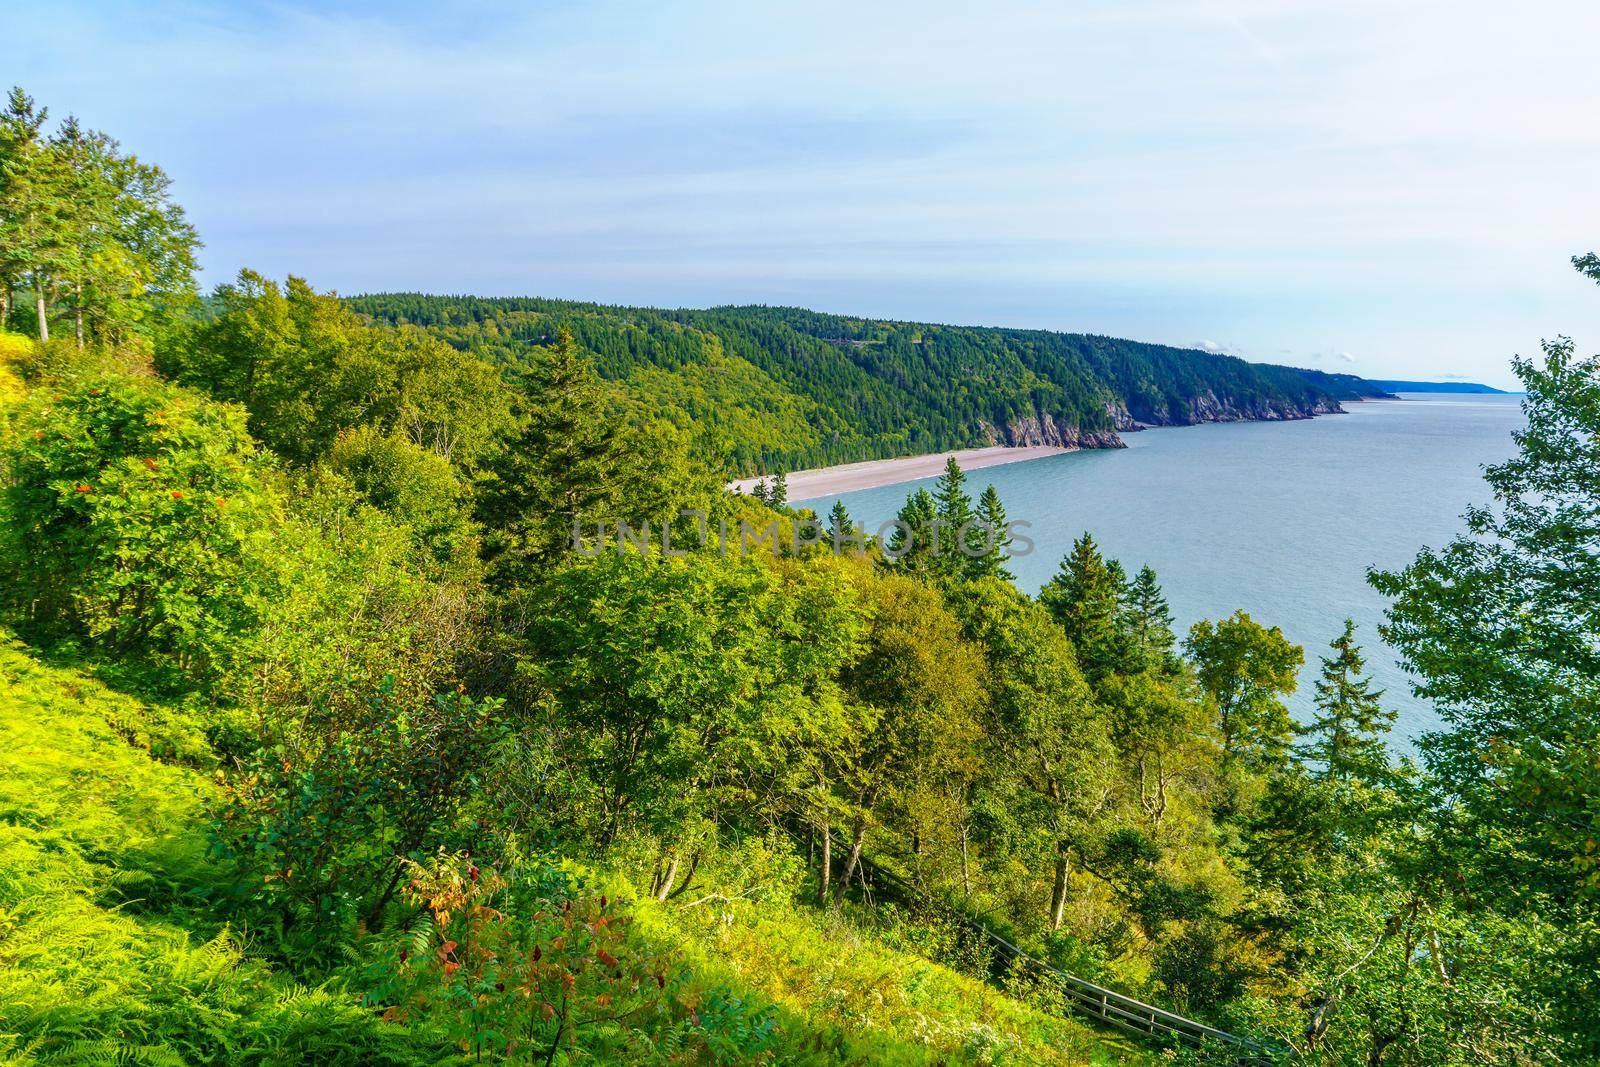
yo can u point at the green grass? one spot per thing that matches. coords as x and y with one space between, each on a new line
110 952
105 952
847 996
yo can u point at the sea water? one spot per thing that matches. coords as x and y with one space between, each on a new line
1281 519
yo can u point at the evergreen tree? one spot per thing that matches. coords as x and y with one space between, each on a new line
778 495
562 468
1083 597
992 514
954 508
1149 622
1346 738
840 526
911 546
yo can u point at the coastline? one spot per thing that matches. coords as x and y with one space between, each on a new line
874 473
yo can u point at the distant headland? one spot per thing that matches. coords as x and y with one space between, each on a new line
1435 387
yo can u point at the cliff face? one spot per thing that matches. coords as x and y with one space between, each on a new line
1208 407
1042 428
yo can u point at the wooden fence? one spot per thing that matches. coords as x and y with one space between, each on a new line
1101 1004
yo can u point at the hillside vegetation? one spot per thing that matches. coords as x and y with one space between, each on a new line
355 709
775 389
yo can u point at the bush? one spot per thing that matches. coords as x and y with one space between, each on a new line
135 517
318 822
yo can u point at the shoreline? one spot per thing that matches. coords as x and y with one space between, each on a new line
875 473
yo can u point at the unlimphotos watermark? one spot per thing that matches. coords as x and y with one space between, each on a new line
895 539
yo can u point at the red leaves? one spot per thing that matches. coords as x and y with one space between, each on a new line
84 489
605 957
177 494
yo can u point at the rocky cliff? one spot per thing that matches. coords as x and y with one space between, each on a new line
1042 428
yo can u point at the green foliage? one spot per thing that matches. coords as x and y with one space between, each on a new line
318 823
308 370
682 686
1246 670
1501 628
787 389
136 517
107 940
1346 738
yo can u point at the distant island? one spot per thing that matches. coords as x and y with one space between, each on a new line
1435 387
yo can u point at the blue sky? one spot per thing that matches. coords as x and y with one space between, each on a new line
1387 188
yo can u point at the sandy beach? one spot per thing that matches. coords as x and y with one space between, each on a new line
828 481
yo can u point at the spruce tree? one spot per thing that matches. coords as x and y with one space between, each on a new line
911 546
992 514
1083 597
840 526
562 470
954 510
1149 622
1345 740
778 495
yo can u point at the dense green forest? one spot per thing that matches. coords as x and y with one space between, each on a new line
327 742
775 389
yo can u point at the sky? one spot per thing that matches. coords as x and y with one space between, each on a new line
1388 188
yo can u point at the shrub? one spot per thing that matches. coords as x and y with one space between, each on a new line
135 512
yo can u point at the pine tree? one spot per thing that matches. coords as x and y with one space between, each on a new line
778 495
992 514
840 526
910 547
1149 622
562 470
953 507
1084 597
1346 738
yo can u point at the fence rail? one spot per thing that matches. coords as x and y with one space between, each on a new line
1097 1002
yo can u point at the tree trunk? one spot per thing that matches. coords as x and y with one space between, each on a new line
854 862
966 870
825 872
44 322
668 878
1058 891
78 316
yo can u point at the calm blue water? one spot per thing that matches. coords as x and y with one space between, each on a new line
1280 519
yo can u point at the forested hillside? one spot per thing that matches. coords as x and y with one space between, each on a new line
329 739
777 389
